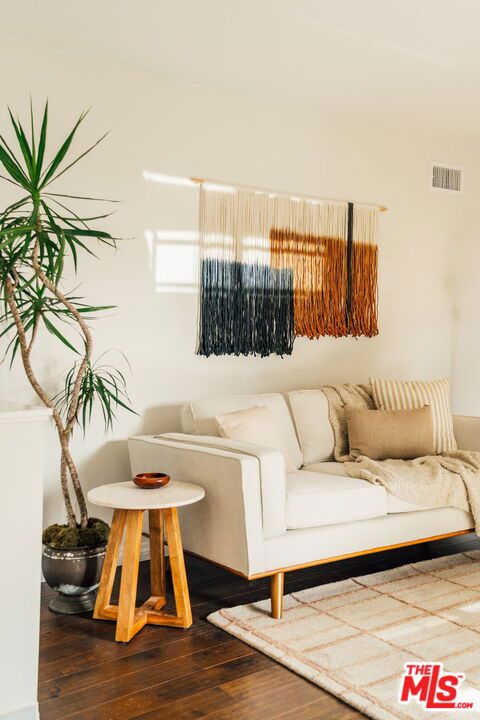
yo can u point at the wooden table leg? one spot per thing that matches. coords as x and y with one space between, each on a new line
128 624
131 619
177 564
157 558
102 605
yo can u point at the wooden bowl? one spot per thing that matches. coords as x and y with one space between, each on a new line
149 481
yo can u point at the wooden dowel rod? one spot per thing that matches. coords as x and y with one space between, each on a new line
200 181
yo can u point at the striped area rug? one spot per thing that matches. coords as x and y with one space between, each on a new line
353 637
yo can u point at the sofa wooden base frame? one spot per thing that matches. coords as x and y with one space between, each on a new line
259 520
277 577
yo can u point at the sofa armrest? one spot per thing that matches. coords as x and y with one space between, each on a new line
467 432
226 526
271 470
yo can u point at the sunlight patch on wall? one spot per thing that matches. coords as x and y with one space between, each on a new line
168 179
173 260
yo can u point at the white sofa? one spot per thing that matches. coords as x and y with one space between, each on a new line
258 521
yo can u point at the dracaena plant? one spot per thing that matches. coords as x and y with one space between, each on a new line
40 234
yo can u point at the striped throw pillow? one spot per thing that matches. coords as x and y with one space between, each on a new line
409 394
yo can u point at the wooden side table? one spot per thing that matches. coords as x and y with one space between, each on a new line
129 503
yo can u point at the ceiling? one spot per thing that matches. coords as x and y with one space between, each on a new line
396 62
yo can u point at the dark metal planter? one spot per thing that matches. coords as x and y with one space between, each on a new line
75 574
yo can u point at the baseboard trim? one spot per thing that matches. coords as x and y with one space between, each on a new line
26 713
145 549
144 554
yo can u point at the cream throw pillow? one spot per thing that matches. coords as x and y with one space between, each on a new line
409 394
255 425
390 434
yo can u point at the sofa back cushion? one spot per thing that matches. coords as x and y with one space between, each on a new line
198 417
310 413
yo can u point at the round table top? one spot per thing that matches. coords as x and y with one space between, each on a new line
127 496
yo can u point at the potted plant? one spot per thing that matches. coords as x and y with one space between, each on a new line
40 234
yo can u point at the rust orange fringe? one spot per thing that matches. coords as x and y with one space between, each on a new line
363 316
320 281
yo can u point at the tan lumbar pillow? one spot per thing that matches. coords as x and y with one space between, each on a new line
390 434
408 394
255 425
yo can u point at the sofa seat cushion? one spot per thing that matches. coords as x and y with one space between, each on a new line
330 468
394 504
315 499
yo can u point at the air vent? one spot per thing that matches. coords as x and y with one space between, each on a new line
447 178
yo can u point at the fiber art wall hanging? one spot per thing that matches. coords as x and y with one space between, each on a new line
275 267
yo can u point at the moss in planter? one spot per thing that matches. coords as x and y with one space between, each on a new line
62 536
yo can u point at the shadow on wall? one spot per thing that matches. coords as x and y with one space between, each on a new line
161 419
111 463
108 464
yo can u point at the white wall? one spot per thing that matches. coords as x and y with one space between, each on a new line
20 530
466 311
166 126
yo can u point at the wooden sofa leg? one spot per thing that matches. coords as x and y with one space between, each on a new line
277 583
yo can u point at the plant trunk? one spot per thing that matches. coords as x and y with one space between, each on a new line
25 353
67 465
67 458
66 495
65 435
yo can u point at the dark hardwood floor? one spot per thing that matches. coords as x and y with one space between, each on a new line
169 673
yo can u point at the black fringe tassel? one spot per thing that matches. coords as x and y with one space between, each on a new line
245 309
348 307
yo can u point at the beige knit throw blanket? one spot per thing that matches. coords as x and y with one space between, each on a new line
447 480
